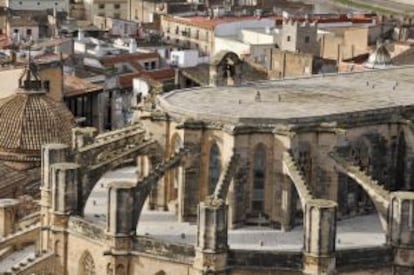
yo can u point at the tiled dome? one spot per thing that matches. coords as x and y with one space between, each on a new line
30 119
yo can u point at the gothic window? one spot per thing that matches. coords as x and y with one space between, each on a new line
214 168
120 270
259 176
87 265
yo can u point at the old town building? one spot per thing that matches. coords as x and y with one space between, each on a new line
306 153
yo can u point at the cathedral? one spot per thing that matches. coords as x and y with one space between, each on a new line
28 119
296 157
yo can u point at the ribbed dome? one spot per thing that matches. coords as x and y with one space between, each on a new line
27 121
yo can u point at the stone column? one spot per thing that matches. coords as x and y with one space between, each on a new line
97 112
401 231
325 184
239 190
319 239
65 202
7 216
51 154
65 188
287 218
211 247
189 187
120 227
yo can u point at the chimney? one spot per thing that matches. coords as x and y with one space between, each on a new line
81 35
132 45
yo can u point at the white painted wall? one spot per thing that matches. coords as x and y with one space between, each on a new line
38 5
229 44
233 28
183 59
22 33
258 37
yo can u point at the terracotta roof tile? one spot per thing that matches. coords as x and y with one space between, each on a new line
111 60
74 86
28 120
125 81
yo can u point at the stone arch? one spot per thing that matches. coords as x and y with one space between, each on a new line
153 155
109 270
302 155
176 174
214 167
400 178
120 269
361 165
86 264
366 152
259 171
225 68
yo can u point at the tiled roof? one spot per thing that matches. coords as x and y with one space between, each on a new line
114 59
9 178
28 120
74 86
125 81
207 23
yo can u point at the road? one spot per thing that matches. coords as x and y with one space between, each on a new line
329 6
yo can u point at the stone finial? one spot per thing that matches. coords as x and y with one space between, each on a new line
83 136
401 231
52 153
212 227
65 188
8 209
320 234
121 208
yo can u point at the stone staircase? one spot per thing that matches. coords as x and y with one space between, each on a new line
378 194
290 168
146 185
223 184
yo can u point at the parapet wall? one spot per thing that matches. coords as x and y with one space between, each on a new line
363 258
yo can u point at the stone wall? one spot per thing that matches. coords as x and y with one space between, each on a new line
352 260
239 259
289 64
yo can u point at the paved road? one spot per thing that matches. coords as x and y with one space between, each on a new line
330 6
399 6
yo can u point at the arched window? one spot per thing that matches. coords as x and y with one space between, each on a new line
86 264
259 177
120 270
214 168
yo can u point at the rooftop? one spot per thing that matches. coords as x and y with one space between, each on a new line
163 225
296 100
207 23
77 86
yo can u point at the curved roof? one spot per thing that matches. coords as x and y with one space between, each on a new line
30 119
316 99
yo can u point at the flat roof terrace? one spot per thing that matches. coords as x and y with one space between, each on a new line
312 99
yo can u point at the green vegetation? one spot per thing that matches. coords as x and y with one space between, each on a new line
367 6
